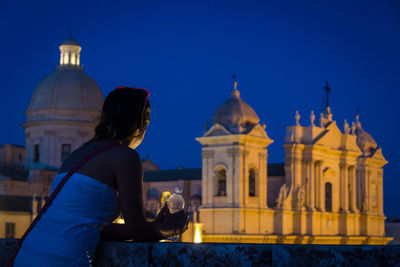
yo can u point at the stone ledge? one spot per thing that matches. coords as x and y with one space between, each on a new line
218 254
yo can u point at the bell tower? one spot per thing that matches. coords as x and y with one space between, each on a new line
234 170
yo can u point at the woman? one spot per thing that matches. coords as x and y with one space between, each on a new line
81 214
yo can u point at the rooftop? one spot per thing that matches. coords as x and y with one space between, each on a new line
274 169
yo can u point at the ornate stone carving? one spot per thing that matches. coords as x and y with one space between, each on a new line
353 128
322 120
297 118
364 207
300 197
312 118
282 196
346 127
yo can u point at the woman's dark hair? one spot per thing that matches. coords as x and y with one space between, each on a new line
124 116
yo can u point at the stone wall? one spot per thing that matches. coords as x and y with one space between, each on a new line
213 254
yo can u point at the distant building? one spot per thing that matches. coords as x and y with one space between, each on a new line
328 190
12 155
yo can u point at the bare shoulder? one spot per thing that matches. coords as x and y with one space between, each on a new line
122 155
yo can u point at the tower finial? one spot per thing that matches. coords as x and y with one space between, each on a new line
346 127
327 89
312 118
235 93
357 114
327 112
358 123
297 118
234 82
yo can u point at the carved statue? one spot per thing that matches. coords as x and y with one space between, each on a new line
365 204
297 118
282 196
346 127
312 118
300 197
321 120
353 128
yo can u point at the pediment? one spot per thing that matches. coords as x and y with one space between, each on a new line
258 131
350 144
217 130
332 137
378 155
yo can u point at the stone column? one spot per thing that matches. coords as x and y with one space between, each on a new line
353 186
207 179
262 180
345 189
367 184
297 170
380 193
321 195
231 181
311 183
242 170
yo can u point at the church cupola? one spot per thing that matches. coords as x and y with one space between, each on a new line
70 53
235 114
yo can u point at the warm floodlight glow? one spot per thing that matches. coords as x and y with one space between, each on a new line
121 221
66 58
73 58
197 232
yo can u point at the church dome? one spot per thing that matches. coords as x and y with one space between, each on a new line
365 141
67 88
235 114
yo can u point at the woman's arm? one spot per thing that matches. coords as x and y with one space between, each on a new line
122 232
128 171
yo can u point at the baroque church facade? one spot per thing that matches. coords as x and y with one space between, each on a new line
328 191
331 191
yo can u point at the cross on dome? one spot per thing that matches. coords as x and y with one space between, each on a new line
235 114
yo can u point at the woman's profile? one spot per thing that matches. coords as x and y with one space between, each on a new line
104 184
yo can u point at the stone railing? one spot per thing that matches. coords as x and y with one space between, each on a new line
225 254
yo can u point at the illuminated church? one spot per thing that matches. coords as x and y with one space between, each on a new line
328 190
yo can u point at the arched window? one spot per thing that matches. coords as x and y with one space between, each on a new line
252 182
221 182
36 153
328 197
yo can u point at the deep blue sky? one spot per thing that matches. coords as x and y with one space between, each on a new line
185 53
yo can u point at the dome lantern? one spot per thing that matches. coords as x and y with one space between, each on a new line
70 53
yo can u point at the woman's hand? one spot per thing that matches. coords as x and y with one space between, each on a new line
171 224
